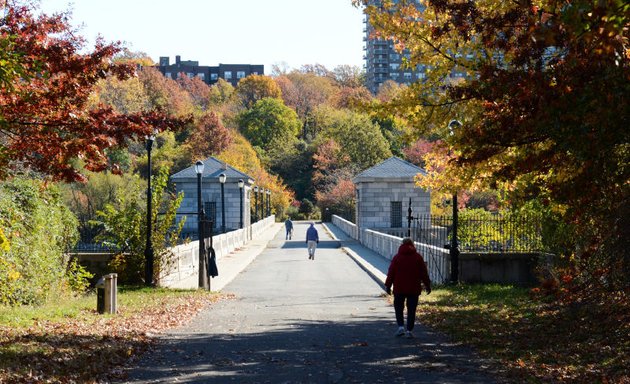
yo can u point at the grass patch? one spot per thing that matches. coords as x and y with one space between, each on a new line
68 341
534 341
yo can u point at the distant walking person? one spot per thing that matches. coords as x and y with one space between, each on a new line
312 239
288 225
406 272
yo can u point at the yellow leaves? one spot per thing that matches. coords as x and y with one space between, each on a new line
14 275
4 242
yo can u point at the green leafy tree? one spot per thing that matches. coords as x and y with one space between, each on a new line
294 164
85 199
307 209
124 226
269 122
359 137
221 92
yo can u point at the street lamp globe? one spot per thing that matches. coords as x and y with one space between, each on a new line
199 167
222 178
241 183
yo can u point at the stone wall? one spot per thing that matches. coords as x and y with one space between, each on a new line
374 202
212 193
508 268
183 272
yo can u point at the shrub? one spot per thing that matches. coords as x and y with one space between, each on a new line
38 230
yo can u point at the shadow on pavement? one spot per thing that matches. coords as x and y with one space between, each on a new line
301 351
323 244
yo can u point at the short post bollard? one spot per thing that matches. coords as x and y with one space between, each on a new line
106 294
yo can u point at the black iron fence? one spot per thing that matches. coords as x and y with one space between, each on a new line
476 233
93 247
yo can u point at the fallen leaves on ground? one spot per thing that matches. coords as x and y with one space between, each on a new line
91 348
535 341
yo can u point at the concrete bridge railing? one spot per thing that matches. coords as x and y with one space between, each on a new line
437 259
183 267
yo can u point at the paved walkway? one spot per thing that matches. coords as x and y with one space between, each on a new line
294 320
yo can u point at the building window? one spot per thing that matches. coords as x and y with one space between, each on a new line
394 75
395 214
190 75
254 73
407 75
202 76
394 66
168 75
210 209
227 75
240 74
214 76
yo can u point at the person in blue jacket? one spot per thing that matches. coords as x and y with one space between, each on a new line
312 239
288 225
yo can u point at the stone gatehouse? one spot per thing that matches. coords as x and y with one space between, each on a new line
384 191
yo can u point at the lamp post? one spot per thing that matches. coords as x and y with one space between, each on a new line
256 203
222 178
268 203
409 218
203 276
148 250
241 184
454 251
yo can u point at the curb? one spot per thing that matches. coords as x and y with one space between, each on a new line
375 274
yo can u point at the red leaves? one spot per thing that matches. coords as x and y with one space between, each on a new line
45 119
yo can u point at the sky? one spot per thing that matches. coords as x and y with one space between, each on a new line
295 32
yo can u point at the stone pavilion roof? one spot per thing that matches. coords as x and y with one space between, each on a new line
213 167
392 169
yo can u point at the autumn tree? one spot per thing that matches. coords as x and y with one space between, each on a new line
337 199
330 163
304 92
198 90
416 152
164 93
44 120
221 92
124 96
543 101
209 137
352 98
349 76
256 87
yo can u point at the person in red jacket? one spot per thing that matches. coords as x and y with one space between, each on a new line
406 272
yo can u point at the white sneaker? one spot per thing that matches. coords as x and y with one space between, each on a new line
409 335
400 331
